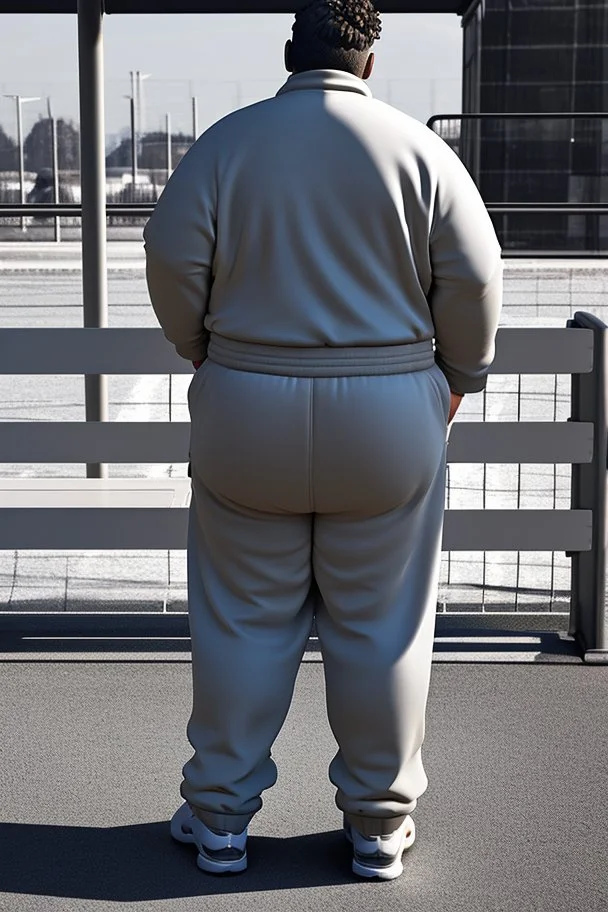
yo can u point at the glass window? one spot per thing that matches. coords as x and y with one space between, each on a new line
589 64
538 27
590 96
536 98
548 5
592 26
495 29
547 65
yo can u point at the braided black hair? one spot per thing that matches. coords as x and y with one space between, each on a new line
335 35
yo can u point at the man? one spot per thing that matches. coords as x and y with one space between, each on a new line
307 251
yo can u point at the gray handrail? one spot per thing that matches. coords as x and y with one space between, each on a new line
501 442
71 350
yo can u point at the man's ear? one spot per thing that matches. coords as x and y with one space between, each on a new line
288 54
369 67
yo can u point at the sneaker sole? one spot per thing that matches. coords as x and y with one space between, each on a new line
206 864
210 866
390 872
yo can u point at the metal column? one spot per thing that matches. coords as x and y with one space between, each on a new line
93 188
133 149
194 119
589 607
21 162
169 149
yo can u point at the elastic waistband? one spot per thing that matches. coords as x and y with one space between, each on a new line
321 362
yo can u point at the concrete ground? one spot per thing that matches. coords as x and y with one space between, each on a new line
513 820
40 285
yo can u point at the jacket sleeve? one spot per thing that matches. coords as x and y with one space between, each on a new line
180 245
466 292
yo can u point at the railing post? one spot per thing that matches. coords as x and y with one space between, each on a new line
93 184
588 605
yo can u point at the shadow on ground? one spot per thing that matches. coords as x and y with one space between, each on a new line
138 863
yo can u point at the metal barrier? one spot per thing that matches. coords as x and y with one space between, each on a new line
139 211
493 158
116 514
589 608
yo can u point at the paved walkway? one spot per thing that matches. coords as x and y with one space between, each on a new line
24 256
31 254
514 819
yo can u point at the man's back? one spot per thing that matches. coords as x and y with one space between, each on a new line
325 207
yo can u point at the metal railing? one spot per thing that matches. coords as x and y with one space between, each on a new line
578 350
131 210
589 607
471 146
140 211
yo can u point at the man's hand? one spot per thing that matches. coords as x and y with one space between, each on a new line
455 401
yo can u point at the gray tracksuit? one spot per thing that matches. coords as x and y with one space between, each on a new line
331 261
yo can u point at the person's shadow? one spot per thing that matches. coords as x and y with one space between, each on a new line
141 862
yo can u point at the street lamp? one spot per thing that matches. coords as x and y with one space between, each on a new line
137 79
55 160
135 99
19 101
133 146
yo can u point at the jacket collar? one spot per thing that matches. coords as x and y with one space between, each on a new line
325 81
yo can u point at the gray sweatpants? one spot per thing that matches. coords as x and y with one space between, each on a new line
321 466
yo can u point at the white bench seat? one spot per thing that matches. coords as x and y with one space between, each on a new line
94 492
93 514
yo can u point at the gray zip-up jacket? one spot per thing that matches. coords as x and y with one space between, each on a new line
324 217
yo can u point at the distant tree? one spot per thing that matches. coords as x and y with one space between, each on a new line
153 154
152 151
38 151
8 152
120 157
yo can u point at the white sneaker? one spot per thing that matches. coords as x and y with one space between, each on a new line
218 852
380 856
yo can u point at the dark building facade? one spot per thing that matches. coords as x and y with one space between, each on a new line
539 57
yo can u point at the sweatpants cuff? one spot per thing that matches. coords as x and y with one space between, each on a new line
227 823
375 826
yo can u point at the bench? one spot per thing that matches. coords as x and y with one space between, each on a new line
124 514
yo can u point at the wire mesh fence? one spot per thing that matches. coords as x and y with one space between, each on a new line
510 581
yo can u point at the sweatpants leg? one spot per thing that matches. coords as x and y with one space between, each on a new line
376 625
249 576
344 475
377 573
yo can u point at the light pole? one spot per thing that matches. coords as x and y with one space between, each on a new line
169 149
137 79
194 118
133 146
55 160
19 101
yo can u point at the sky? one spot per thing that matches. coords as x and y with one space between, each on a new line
225 61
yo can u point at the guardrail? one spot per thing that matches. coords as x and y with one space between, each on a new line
120 514
144 211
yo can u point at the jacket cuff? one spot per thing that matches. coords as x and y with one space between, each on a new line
461 384
192 351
